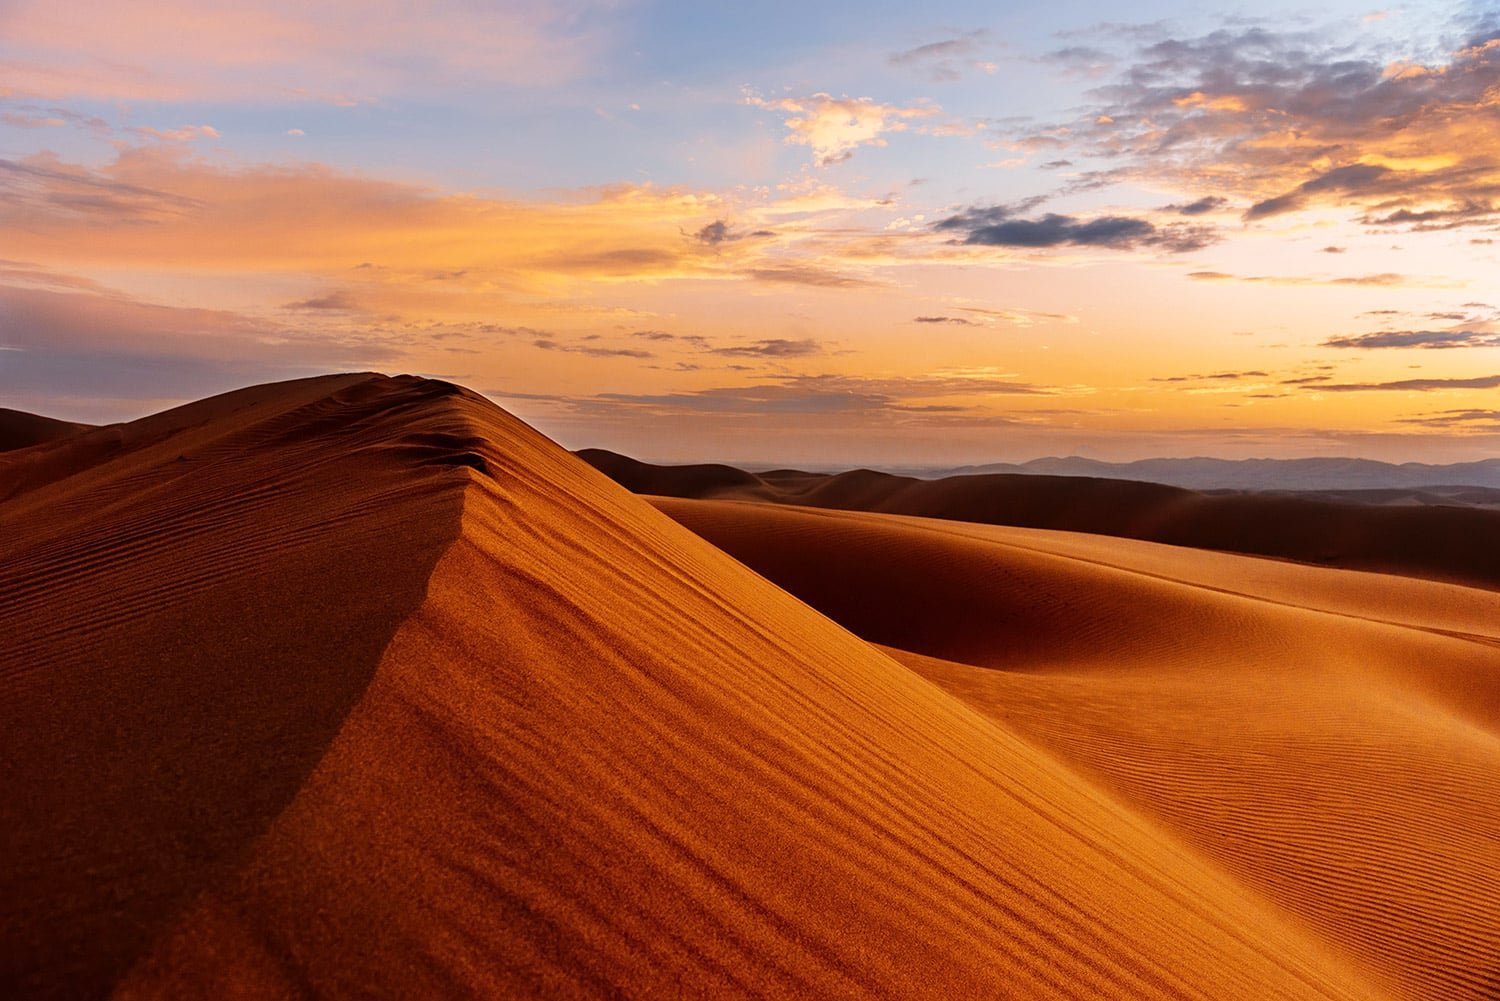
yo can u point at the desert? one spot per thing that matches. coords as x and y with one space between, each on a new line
654 499
359 685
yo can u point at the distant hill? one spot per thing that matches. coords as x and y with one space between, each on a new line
19 429
1258 474
1419 533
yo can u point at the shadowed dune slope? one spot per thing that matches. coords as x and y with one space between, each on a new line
19 429
1329 738
393 697
187 620
1438 541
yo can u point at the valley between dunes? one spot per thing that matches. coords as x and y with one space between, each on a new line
358 686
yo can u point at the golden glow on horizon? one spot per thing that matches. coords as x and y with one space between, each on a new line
1266 275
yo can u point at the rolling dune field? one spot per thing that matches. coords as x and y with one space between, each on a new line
359 686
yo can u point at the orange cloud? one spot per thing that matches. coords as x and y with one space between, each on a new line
1286 126
835 127
158 208
381 249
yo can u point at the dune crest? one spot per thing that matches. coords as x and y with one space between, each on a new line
502 728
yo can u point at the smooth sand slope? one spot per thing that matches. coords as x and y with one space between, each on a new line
358 686
1331 739
1441 541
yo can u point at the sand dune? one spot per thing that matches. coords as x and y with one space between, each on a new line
1330 739
358 686
19 429
1443 542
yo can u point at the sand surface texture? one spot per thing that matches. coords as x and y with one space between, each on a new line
1330 739
358 686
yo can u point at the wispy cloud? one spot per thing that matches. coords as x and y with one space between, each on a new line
1469 420
773 347
186 133
947 58
592 350
1411 385
1384 279
1214 377
1430 339
816 275
837 394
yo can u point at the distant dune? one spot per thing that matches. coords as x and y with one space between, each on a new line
1260 474
22 430
1446 542
358 686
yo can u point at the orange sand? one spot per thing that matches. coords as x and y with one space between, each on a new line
358 686
1330 739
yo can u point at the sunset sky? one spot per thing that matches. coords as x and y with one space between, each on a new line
808 233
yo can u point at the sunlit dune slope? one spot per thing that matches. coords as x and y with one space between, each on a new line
1439 541
19 429
1329 738
376 692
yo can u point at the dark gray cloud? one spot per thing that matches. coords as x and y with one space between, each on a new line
1431 339
1214 377
1356 178
774 347
719 232
1206 204
591 350
1412 385
956 320
1307 380
334 301
714 233
997 226
1458 420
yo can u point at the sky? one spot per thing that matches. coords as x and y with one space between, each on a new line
826 234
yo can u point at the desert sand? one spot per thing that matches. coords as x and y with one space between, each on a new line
1452 535
360 686
1328 737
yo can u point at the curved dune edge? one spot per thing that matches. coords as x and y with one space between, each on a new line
1328 738
603 758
